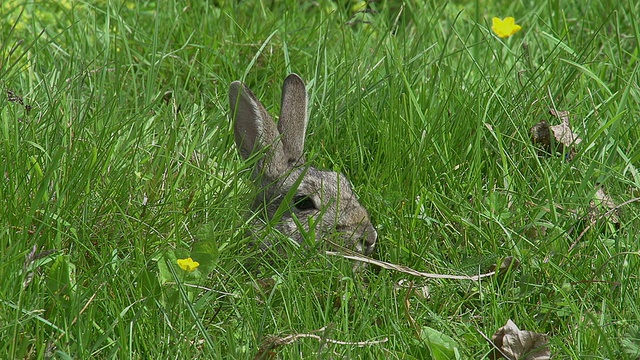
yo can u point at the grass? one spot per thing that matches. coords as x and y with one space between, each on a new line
117 154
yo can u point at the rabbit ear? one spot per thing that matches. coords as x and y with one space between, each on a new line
255 130
293 119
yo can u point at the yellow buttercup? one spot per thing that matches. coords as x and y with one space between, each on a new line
188 264
505 28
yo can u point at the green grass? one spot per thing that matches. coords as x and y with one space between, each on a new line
119 155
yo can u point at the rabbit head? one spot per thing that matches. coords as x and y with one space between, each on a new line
316 201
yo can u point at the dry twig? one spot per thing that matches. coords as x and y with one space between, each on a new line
273 342
405 269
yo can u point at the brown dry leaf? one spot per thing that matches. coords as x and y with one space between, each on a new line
513 343
12 97
602 199
563 136
563 132
541 136
265 284
507 263
535 232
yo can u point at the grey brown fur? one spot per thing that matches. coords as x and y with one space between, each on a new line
322 198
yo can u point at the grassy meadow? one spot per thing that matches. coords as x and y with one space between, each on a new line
117 159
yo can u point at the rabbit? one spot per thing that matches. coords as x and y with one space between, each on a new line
320 199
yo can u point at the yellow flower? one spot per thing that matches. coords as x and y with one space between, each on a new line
188 264
505 28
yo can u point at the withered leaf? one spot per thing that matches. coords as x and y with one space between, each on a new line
507 263
563 132
563 136
541 135
30 266
265 284
535 232
514 343
12 97
602 200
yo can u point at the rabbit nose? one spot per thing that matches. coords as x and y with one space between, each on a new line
369 239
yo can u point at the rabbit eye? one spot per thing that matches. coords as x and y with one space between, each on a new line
303 202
